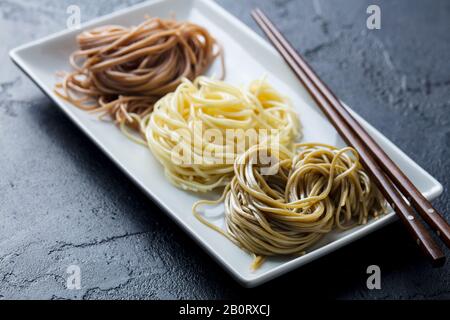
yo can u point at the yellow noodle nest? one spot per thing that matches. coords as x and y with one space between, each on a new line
182 120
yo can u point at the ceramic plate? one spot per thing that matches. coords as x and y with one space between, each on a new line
248 57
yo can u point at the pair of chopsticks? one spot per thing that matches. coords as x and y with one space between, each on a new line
384 172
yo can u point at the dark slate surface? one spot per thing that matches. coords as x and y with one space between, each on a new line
63 202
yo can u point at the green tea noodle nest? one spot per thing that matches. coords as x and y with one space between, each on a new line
315 190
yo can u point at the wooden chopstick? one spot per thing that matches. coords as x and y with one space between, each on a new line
409 190
395 199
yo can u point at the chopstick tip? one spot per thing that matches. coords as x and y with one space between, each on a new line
257 11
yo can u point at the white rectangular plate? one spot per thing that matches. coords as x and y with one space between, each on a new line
247 57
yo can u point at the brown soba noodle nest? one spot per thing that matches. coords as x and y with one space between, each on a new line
123 71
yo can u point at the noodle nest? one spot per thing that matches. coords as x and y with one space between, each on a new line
199 130
122 71
316 189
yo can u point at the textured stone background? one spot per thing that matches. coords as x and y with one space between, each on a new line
63 202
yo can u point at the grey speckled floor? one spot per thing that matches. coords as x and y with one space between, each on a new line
63 202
